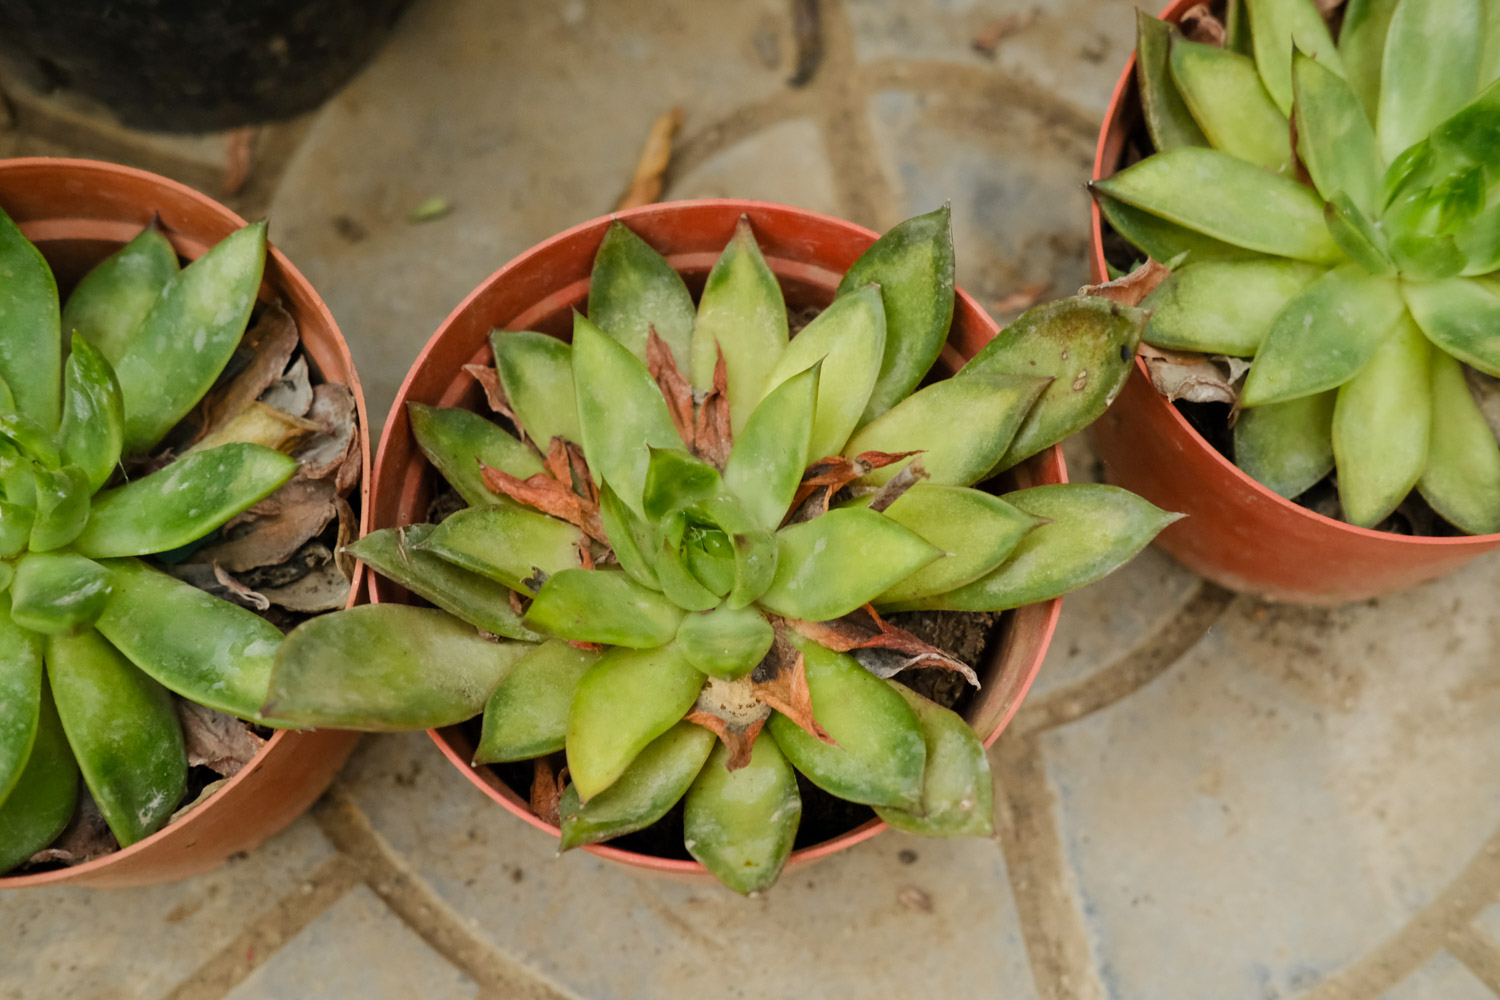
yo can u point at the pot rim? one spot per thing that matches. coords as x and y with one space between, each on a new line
1052 461
293 276
1102 169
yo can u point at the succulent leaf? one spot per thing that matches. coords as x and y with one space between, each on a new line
1168 119
30 339
189 336
770 454
184 501
62 507
1163 241
536 372
675 479
396 553
958 795
647 790
372 668
1479 242
1362 48
1381 426
631 537
56 593
1430 68
725 642
29 437
20 691
913 264
124 733
604 606
1460 316
1462 477
1334 137
1358 236
1280 27
15 527
741 824
1094 530
457 442
633 289
1287 447
626 700
93 421
1227 99
676 577
1323 336
41 803
113 299
527 714
1223 307
506 544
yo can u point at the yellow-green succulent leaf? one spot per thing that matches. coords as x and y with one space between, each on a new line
30 330
1489 65
631 537
41 802
456 441
527 714
675 479
676 577
753 548
112 300
958 795
536 372
709 556
1427 258
93 420
835 564
57 593
1460 316
1323 336
647 790
1462 477
506 544
725 642
1223 307
1169 121
16 521
1278 27
633 289
1358 236
1287 447
1479 242
603 605
1230 104
20 691
626 700
62 507
1237 36
1162 240
1430 69
1362 48
31 438
741 824
123 729
1334 136
767 460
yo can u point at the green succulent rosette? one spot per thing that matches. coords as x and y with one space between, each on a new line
1330 209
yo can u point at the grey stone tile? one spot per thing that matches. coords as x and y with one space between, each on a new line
93 944
1288 796
1443 978
1488 924
785 163
605 932
357 948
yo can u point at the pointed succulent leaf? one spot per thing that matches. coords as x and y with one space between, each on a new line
42 801
1358 236
1334 137
1094 530
57 593
630 537
113 299
725 642
1381 424
647 790
1323 336
30 331
772 451
62 507
962 426
958 795
396 553
1237 27
913 265
621 412
123 729
633 289
1362 48
33 440
189 336
1427 258
1459 315
1462 477
754 548
675 479
527 714
1287 447
1479 241
1250 208
1231 104
456 441
601 605
506 544
831 565
93 421
878 752
850 335
1086 345
20 693
1162 240
184 501
1279 27
1223 307
743 314
1168 120
710 558
676 577
1469 136
536 372
626 700
1430 68
386 668
16 521
197 645
741 824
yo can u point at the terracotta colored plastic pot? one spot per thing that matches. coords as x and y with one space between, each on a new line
1239 534
539 290
77 212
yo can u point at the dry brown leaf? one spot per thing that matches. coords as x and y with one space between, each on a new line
238 592
1191 377
734 712
864 630
207 792
549 496
1131 289
86 837
293 392
216 740
807 33
494 393
259 424
348 531
333 414
832 474
583 481
780 680
323 587
259 362
546 790
650 171
713 435
989 39
1200 25
911 474
274 529
674 386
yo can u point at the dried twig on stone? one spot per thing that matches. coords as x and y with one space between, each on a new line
650 172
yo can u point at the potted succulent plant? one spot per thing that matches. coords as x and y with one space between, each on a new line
150 449
1319 182
671 575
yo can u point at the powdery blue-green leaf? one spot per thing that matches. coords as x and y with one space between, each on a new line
725 642
1287 447
831 565
1381 426
42 800
1230 104
386 668
113 299
1323 336
1362 48
1462 477
653 783
601 605
57 593
1162 240
536 372
1461 316
1223 307
957 791
509 545
123 729
626 700
1334 137
1168 120
527 714
741 824
1430 68
93 422
30 338
769 455
1277 28
633 289
455 441
20 691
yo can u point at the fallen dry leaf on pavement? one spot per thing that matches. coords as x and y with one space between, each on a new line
650 171
988 40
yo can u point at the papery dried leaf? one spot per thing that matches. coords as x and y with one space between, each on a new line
715 439
323 588
517 605
352 469
866 630
582 479
557 461
909 476
1131 289
207 792
268 345
348 531
1199 25
274 529
989 39
292 392
780 680
259 424
735 712
549 496
86 837
675 387
832 474
216 740
1193 377
650 171
238 592
333 411
494 393
546 790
